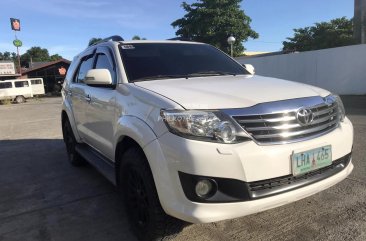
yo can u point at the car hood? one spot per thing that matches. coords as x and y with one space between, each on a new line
224 92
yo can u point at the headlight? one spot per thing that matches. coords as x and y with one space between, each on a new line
341 110
201 125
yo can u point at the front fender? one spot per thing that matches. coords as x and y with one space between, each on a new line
134 128
67 108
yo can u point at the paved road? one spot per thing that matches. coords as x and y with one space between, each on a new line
43 198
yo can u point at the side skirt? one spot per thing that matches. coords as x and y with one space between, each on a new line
102 164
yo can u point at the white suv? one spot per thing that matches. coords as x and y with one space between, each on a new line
185 131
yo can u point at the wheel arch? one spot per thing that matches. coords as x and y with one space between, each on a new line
131 132
67 114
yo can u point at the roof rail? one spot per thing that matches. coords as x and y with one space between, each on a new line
180 39
111 38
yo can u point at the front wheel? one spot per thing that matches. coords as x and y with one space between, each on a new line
20 99
146 216
70 142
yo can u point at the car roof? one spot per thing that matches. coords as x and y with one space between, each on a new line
159 41
106 43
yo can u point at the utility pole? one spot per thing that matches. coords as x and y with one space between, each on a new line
360 21
20 67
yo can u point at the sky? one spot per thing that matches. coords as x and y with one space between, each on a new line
65 26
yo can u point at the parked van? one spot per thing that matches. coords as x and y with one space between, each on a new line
18 90
37 86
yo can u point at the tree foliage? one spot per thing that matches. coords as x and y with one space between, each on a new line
94 40
38 54
213 21
136 37
55 57
336 33
8 56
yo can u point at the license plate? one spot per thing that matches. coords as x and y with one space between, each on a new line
310 160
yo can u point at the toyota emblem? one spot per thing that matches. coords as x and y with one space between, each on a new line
304 116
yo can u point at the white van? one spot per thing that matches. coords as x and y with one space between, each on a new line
37 86
18 90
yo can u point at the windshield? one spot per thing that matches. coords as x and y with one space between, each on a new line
151 61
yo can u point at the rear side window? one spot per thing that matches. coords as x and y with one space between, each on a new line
85 66
104 63
36 82
5 85
20 84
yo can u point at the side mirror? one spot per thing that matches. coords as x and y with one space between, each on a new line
98 77
250 68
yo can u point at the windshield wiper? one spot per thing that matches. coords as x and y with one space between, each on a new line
210 73
160 76
186 76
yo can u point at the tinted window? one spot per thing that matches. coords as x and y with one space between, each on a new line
5 85
104 63
19 84
36 81
161 60
85 65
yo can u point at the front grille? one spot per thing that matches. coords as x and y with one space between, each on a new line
283 127
260 189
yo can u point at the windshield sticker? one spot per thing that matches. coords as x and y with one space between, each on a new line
128 47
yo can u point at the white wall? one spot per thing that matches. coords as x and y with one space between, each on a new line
340 70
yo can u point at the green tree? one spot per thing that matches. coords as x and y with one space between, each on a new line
94 40
136 37
7 55
336 33
13 55
10 57
213 21
37 54
55 57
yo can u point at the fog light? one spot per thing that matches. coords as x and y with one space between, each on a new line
205 188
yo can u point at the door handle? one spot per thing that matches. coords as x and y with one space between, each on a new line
87 98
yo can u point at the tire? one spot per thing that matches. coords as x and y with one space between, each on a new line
70 142
20 99
146 216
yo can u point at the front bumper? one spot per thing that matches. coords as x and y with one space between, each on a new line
246 162
204 213
231 190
